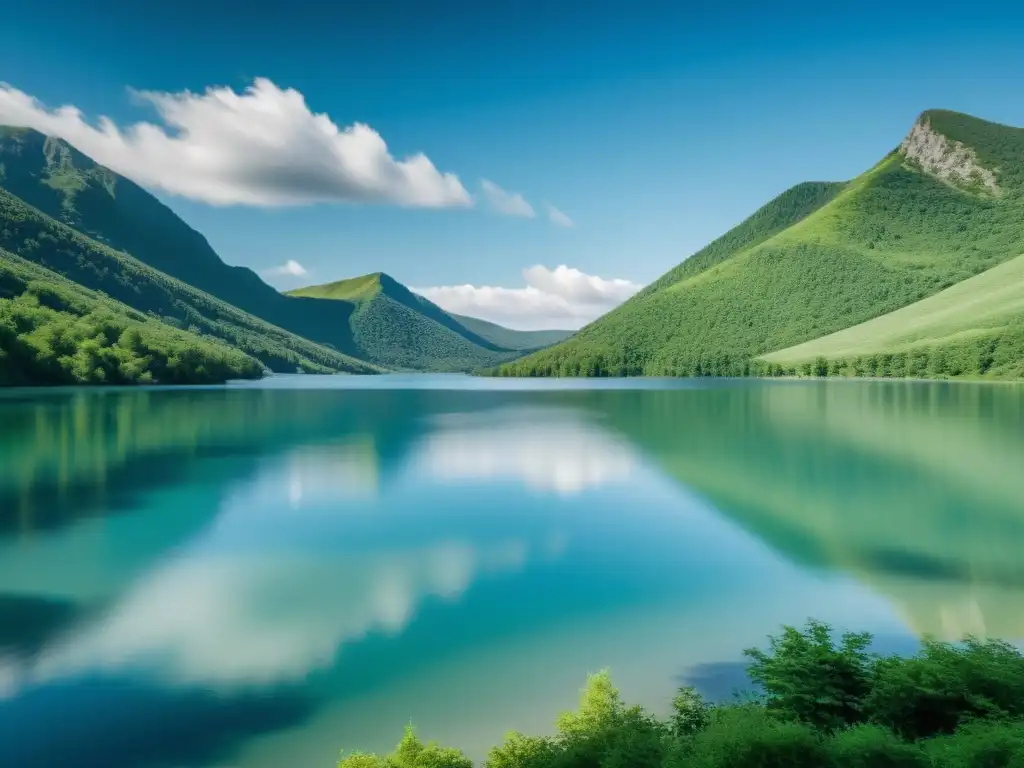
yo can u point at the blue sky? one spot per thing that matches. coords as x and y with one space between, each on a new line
654 126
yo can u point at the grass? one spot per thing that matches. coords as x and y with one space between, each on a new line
361 288
817 260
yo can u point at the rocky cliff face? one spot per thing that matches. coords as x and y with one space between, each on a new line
951 161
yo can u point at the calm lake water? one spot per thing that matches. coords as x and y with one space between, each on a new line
260 575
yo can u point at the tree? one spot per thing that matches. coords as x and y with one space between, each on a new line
690 713
809 679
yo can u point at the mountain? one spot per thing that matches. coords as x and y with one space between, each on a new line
59 181
60 249
394 327
945 205
397 328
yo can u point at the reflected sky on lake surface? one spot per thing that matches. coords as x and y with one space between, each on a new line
262 575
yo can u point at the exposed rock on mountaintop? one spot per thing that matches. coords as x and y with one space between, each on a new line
951 161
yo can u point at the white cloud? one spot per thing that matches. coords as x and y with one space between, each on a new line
507 203
558 217
552 298
290 268
261 147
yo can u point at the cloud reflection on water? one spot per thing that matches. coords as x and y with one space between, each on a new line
547 450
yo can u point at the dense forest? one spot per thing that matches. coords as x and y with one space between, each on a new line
53 331
817 260
819 702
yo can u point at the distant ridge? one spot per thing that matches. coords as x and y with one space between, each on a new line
395 327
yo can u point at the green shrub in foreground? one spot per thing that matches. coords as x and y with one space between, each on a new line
825 702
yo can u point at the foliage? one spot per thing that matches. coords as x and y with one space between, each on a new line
55 332
946 686
811 680
747 736
810 264
409 753
872 746
690 713
979 745
871 713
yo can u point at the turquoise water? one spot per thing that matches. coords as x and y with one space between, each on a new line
261 575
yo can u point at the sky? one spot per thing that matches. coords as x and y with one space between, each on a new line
533 163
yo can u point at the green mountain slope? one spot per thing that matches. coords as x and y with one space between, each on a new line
508 338
38 238
54 332
975 327
946 205
394 327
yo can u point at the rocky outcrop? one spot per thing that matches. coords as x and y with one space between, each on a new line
951 161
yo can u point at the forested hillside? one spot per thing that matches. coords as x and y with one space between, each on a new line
53 331
945 206
36 237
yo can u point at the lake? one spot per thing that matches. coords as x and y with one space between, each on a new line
260 575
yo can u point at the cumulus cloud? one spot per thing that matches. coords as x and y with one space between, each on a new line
290 268
507 203
558 217
552 298
260 147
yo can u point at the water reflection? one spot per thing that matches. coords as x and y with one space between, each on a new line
465 557
914 489
547 449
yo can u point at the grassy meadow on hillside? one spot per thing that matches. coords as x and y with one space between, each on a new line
973 328
891 237
53 331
